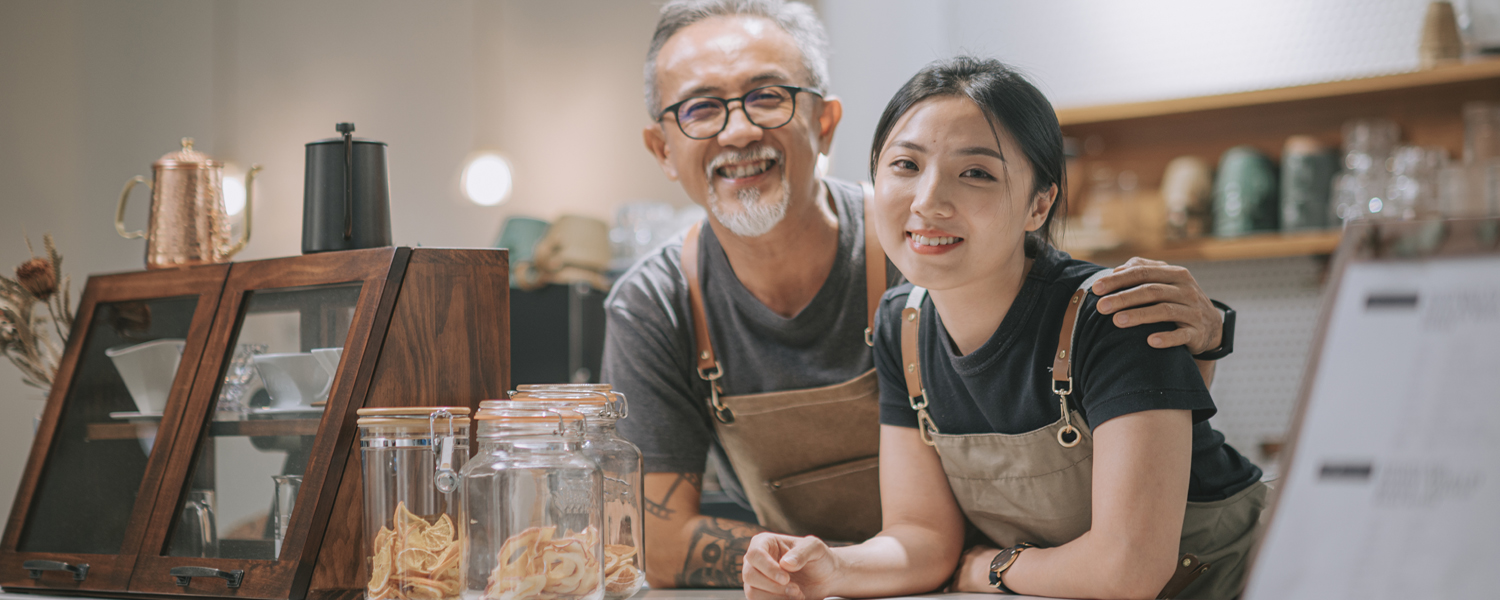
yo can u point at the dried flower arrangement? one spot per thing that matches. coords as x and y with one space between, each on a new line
25 334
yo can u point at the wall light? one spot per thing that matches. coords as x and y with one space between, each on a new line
486 179
234 193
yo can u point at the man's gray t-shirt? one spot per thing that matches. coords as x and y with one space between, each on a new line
648 342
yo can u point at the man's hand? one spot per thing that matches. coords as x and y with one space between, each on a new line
685 548
1156 292
783 566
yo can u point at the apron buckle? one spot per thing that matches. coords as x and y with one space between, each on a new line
721 412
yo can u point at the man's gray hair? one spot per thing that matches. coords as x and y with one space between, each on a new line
796 18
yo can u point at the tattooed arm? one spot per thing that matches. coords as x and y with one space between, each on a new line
685 548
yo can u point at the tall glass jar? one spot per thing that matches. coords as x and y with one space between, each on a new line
620 460
414 504
534 509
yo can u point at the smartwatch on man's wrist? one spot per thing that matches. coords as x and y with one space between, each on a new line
1002 562
1226 337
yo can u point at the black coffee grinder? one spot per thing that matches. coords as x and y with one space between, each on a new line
346 198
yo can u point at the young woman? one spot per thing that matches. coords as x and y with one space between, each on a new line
1082 455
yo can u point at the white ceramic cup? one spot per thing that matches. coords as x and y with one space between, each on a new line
329 359
148 370
292 379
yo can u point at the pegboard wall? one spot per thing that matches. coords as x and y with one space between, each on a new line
1276 303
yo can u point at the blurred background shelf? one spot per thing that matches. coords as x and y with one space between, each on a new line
1250 247
1477 71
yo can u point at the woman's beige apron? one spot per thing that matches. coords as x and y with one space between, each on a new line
808 459
1035 487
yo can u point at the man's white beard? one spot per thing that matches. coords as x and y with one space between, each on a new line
755 218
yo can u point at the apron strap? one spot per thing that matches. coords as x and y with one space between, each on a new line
708 365
911 321
875 277
1062 362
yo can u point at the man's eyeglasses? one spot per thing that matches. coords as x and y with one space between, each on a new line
769 107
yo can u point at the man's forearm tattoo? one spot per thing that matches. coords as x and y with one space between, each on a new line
659 509
716 554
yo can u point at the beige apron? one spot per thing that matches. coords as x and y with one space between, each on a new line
1035 487
807 458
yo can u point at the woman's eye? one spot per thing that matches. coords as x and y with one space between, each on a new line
903 164
979 173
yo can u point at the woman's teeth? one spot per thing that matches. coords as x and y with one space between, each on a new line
934 241
746 170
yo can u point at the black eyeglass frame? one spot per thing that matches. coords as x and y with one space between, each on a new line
791 88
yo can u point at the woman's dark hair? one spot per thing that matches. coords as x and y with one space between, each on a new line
1006 97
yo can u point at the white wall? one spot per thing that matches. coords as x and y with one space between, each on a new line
1082 52
93 91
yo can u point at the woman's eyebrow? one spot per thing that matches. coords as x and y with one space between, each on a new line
982 151
910 146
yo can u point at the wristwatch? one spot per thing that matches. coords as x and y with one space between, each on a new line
1226 339
1003 561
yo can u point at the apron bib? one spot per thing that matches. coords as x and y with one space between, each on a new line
808 459
1036 487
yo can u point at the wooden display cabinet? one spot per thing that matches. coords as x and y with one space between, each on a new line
148 479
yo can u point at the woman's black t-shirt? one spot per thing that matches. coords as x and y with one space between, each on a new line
1006 385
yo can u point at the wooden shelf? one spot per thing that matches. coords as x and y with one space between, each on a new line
1250 247
258 427
1478 70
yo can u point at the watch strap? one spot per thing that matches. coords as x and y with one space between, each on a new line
1226 336
1002 562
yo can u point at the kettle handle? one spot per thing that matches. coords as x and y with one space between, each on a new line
249 202
120 211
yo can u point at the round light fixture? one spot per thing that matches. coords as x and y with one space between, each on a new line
234 194
486 179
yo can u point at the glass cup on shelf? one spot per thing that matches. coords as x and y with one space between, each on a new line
234 394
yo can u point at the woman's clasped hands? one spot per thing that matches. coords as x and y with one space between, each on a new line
784 566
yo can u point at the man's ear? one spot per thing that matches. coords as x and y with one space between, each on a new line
656 144
1041 204
828 121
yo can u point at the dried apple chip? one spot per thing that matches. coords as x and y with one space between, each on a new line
416 560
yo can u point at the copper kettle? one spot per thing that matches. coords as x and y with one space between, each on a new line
188 223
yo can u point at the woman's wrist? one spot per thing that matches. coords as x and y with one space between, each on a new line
974 570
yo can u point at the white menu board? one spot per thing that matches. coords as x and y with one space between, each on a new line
1393 490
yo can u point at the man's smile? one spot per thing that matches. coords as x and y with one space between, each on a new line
745 170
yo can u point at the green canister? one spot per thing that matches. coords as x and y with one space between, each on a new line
1245 193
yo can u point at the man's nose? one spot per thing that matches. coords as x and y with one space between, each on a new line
739 131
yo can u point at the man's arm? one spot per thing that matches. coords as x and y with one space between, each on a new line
1145 291
685 548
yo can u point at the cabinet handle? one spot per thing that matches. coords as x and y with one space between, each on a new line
34 568
185 575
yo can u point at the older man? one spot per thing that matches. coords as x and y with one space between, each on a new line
745 342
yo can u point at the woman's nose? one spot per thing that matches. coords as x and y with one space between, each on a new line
928 199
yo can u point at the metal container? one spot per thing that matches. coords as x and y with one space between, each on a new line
534 510
188 224
414 505
620 462
346 197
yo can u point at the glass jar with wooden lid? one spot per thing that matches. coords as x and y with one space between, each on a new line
414 508
620 461
534 507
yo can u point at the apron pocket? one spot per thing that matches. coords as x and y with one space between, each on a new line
832 500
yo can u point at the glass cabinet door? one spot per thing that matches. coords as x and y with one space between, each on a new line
100 445
246 481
